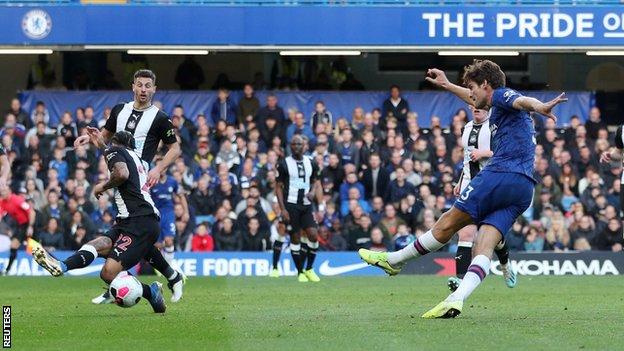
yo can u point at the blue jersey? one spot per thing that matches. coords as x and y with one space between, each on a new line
162 194
513 135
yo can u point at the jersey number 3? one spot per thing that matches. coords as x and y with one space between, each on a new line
466 193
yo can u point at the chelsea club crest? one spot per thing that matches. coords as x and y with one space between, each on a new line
36 24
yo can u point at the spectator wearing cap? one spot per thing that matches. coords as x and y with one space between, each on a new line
52 238
202 240
223 108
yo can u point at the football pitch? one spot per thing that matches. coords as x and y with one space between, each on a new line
367 313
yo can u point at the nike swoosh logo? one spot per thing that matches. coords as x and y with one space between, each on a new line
325 269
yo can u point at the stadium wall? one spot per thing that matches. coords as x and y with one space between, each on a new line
249 264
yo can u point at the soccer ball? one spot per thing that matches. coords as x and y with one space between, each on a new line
126 289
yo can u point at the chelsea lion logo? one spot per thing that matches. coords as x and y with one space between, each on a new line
36 24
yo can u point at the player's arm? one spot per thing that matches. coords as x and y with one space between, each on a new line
438 78
534 105
477 154
119 172
279 190
101 138
167 134
32 216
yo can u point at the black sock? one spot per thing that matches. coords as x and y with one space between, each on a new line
296 256
79 259
304 254
12 257
147 292
156 259
311 255
277 252
503 253
463 257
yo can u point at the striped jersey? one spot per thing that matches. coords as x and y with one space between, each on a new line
148 127
132 197
298 177
475 136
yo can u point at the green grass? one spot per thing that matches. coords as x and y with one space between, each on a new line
544 313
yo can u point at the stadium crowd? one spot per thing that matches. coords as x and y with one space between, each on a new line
386 180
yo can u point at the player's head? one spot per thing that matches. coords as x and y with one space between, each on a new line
123 138
478 114
482 78
296 146
144 86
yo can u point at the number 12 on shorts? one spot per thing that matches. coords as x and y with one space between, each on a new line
464 196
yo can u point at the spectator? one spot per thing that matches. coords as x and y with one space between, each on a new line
228 239
67 129
320 115
351 181
347 149
534 239
255 238
594 123
557 236
375 178
389 224
330 241
583 237
377 241
20 115
399 188
223 108
271 109
395 106
299 128
248 107
360 235
202 240
52 238
40 112
610 239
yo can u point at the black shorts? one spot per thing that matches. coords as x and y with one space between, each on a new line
20 232
132 238
301 217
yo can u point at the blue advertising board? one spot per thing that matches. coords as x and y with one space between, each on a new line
329 264
420 26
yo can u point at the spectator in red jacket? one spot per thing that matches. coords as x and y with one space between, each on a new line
202 240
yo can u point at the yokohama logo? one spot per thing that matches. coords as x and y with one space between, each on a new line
560 267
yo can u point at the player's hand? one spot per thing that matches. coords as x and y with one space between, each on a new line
286 216
82 140
476 155
437 77
545 108
153 176
456 189
605 157
98 190
30 231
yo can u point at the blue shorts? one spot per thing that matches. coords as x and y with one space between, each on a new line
167 225
496 198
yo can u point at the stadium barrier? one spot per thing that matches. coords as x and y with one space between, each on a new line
340 104
235 264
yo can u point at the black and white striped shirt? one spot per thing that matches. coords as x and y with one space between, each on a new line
132 197
148 126
298 177
475 136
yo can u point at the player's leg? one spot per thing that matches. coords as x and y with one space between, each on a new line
15 245
294 229
134 243
277 249
509 272
463 256
167 235
483 249
434 239
175 279
82 258
304 247
313 244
